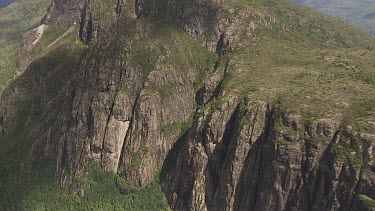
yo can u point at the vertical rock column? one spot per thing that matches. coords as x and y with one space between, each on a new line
126 8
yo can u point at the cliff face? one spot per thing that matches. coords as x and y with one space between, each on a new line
119 104
248 156
151 93
195 17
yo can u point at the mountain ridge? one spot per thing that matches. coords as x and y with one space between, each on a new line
227 103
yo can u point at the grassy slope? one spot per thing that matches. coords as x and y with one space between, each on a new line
316 66
15 20
359 12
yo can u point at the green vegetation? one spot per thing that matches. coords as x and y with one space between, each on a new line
179 127
367 201
182 53
342 152
319 67
136 158
307 83
37 189
104 9
15 20
310 66
284 142
49 36
315 140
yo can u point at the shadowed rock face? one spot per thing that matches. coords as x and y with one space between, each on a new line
119 106
65 13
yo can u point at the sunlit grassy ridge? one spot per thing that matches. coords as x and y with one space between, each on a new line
312 82
314 65
15 20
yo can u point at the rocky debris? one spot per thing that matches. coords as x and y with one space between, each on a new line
28 43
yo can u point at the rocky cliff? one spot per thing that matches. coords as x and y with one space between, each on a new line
249 156
228 101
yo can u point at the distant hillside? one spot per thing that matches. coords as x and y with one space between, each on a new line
15 20
359 12
4 3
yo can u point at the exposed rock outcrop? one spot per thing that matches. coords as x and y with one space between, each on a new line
248 156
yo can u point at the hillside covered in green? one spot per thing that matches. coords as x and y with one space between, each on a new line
38 191
15 20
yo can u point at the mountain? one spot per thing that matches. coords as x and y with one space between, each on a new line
15 20
189 105
359 12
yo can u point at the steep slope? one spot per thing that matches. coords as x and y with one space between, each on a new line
232 105
15 20
361 13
